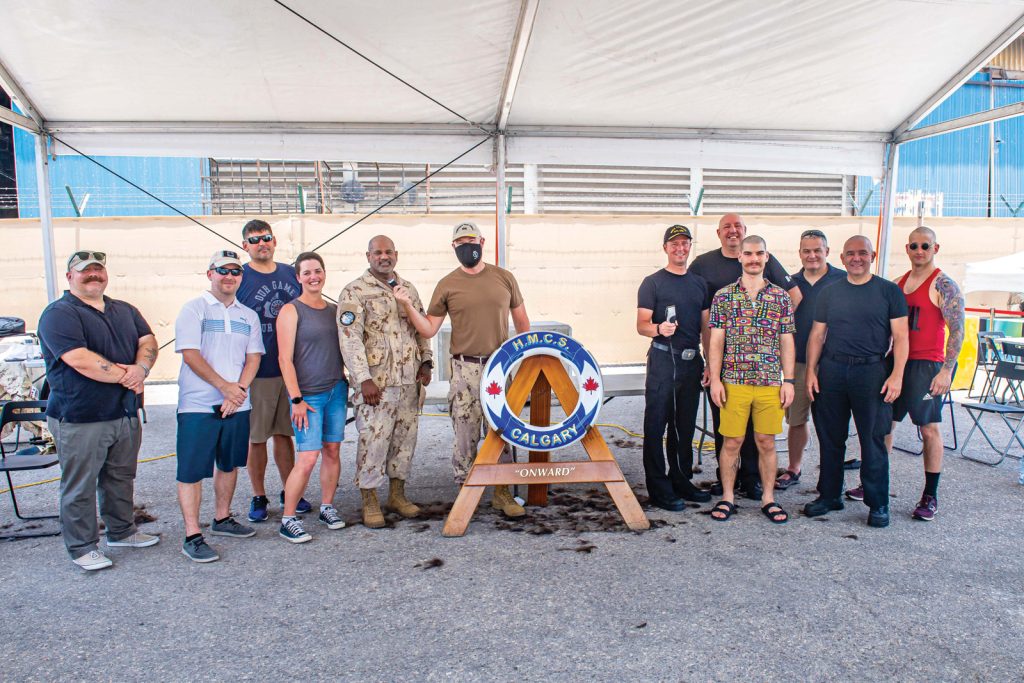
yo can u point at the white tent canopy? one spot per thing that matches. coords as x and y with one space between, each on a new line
1003 274
806 85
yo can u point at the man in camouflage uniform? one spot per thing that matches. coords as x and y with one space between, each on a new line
387 360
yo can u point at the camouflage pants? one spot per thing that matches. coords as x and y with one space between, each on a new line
467 417
387 436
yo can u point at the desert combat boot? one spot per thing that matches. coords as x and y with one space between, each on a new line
372 516
503 500
397 502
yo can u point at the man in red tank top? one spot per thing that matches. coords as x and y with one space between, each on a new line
934 302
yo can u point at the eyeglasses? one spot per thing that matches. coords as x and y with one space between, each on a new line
813 233
256 239
924 246
228 271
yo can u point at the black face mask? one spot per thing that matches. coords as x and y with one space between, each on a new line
468 254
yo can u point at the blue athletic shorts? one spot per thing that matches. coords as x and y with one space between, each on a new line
327 424
205 440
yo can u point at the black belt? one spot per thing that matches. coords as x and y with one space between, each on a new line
685 354
855 360
481 360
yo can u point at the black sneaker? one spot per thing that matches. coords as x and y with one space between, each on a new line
823 506
331 518
197 551
293 532
229 527
879 517
258 509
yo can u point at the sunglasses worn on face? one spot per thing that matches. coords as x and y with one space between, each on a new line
256 239
228 271
924 246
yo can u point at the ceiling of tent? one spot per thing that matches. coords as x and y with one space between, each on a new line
249 78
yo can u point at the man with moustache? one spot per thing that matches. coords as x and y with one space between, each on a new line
220 344
934 302
815 275
479 298
672 311
98 352
855 322
266 287
751 373
388 361
720 268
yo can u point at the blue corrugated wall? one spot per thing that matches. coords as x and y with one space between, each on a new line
957 164
178 181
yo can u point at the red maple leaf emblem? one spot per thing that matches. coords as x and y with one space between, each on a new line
493 389
590 384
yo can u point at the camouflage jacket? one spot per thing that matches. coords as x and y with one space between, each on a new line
376 342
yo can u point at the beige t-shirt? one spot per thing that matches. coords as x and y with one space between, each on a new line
478 305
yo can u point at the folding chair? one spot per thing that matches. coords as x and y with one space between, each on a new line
28 458
947 400
987 357
1012 415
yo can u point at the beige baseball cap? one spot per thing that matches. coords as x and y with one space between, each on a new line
466 229
224 258
81 260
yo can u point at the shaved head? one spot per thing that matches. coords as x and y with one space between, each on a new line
855 240
924 232
381 241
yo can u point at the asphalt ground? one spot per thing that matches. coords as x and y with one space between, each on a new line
566 594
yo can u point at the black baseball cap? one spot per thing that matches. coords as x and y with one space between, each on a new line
676 231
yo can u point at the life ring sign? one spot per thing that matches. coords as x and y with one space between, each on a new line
512 429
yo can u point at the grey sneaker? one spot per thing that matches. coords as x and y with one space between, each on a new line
136 540
92 561
229 527
197 551
293 532
331 518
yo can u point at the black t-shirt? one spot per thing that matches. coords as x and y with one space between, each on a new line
805 312
858 316
68 324
688 293
719 270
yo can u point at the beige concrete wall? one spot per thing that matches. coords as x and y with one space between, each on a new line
582 270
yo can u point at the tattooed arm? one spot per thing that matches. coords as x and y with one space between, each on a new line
94 366
951 303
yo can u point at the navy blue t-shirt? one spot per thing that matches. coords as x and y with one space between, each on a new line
688 293
266 293
858 316
804 316
720 271
68 324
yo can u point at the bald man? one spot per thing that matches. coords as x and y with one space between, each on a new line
849 372
721 268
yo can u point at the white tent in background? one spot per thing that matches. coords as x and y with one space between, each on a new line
802 85
1003 274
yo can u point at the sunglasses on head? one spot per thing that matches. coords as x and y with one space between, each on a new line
256 239
924 246
80 256
221 270
812 233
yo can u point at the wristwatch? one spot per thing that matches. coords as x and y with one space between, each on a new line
297 400
789 381
428 363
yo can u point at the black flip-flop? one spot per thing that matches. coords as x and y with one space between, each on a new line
772 511
724 507
783 484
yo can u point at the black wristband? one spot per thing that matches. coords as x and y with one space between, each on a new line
297 400
789 381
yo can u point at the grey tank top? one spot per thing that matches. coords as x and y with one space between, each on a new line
317 354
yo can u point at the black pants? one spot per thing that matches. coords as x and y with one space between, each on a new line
749 473
671 395
855 389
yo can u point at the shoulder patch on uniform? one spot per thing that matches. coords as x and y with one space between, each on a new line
347 318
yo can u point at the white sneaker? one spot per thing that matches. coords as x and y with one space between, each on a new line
136 540
93 560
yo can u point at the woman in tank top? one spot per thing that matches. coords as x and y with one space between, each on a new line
313 374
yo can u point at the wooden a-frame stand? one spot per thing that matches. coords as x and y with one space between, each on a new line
538 376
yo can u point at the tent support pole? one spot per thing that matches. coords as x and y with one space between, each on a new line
887 207
500 194
46 215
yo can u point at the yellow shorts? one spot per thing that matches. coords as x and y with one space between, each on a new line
742 400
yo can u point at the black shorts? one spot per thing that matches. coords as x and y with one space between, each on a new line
914 398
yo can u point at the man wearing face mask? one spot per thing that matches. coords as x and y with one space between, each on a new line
388 361
479 298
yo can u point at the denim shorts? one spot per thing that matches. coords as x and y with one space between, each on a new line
204 440
327 424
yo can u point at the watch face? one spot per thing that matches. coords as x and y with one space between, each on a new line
297 401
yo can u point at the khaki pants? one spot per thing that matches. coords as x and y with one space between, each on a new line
467 417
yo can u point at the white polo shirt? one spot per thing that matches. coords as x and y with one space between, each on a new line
223 336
